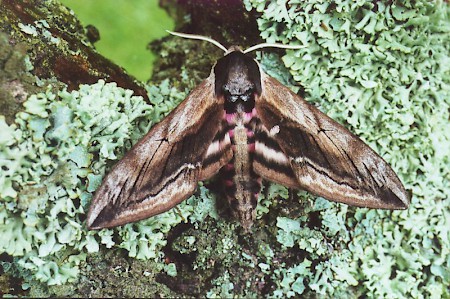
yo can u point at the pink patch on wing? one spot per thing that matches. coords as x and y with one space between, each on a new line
230 117
251 147
248 117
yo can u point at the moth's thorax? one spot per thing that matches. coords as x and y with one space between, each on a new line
238 85
237 79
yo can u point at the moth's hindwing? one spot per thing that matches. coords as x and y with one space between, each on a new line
303 148
164 167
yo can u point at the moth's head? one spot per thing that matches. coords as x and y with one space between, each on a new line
237 75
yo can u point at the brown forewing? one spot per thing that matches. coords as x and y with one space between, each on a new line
326 159
163 168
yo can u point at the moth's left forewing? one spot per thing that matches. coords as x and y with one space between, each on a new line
326 159
164 167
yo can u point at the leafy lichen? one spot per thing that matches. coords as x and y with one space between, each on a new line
52 158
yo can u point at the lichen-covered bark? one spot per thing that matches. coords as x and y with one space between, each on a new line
16 83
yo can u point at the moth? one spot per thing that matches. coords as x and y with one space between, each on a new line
245 126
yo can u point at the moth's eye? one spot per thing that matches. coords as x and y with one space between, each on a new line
233 98
247 95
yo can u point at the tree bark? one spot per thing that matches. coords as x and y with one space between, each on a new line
59 48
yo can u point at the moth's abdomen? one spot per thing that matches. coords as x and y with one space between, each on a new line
242 185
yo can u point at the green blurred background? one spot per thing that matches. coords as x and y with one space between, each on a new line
126 27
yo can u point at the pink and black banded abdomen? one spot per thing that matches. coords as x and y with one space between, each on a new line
241 183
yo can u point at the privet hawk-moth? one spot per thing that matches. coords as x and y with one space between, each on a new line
245 126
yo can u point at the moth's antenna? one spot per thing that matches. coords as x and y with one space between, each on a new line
200 37
268 45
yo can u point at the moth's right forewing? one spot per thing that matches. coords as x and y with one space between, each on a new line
326 158
163 168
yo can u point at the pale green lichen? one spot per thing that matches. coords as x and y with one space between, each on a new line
223 288
40 27
384 71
